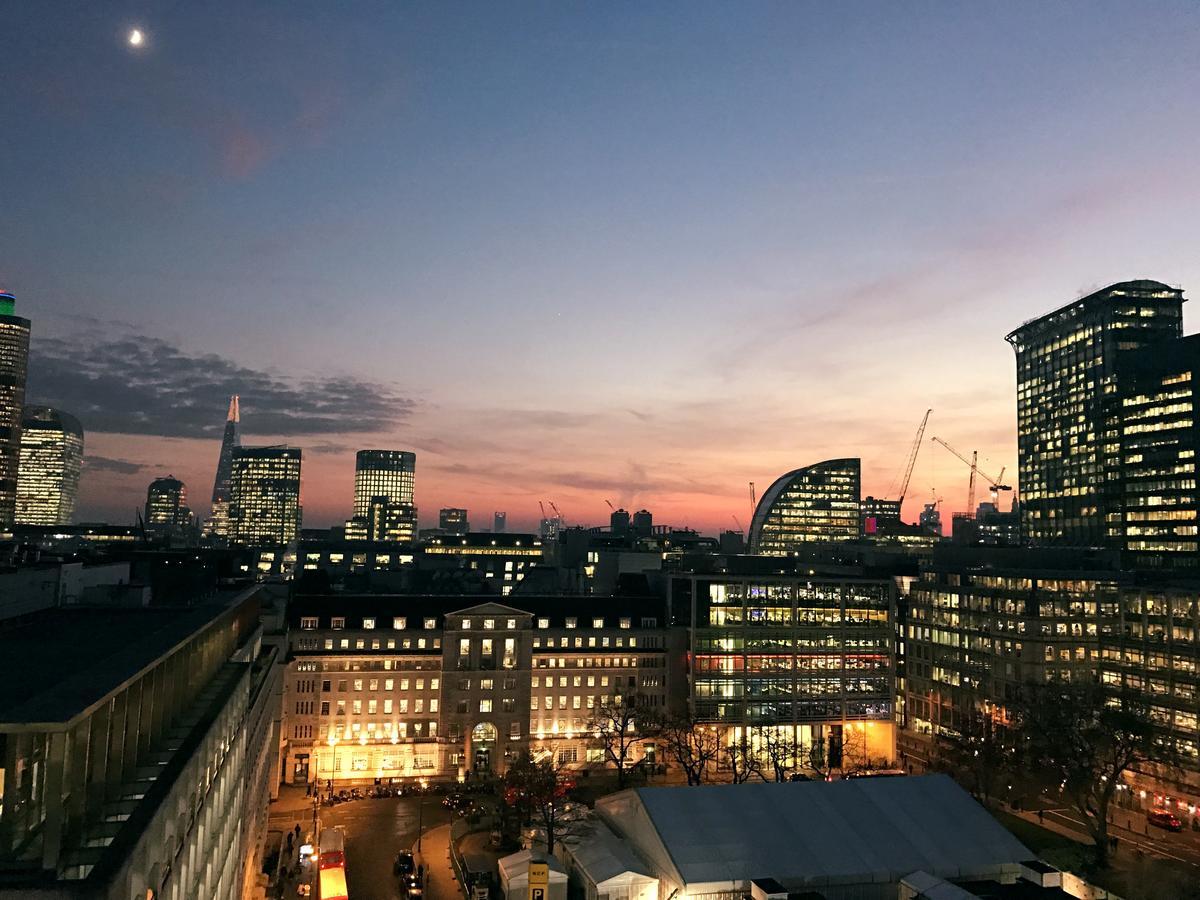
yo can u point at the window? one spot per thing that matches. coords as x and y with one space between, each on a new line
430 623
543 623
626 622
489 624
514 730
433 705
338 623
388 684
399 623
358 684
485 706
487 684
387 707
648 622
510 624
324 707
572 621
598 622
466 623
369 623
308 623
325 685
356 707
328 643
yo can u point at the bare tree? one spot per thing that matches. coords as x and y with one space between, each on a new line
1085 739
692 745
980 756
744 761
620 725
540 792
781 752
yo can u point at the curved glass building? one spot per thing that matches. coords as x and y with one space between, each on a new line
818 503
51 459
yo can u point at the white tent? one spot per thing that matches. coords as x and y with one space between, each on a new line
607 869
514 876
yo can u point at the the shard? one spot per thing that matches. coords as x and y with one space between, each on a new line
218 522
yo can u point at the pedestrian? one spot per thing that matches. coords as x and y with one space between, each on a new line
297 832
1042 816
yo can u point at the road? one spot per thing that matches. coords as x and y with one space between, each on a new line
1129 827
376 830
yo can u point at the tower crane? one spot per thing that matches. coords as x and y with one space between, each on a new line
995 485
610 506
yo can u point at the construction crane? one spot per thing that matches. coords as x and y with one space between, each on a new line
738 523
912 456
610 506
995 485
561 520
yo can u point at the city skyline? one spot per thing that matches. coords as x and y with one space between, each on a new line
753 287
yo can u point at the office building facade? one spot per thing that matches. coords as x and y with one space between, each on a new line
167 509
811 658
264 495
14 364
50 464
1069 408
818 503
396 687
386 474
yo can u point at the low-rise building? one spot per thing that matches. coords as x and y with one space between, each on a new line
394 687
142 768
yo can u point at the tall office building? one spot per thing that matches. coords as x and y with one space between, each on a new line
51 460
499 522
1069 407
387 474
818 503
14 361
383 497
643 523
166 506
218 521
453 521
264 495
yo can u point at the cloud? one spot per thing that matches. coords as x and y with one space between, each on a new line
129 383
115 466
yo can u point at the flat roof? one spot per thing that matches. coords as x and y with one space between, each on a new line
59 662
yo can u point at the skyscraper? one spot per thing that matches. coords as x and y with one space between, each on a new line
166 506
14 361
264 495
499 522
1069 407
453 520
814 504
51 460
383 497
218 521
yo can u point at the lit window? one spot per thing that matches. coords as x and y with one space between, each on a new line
571 622
399 623
369 624
598 622
488 624
338 622
543 623
485 706
466 623
308 623
625 622
430 624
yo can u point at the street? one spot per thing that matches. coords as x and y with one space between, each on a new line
1129 827
376 830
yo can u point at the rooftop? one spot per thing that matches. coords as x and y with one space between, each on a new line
59 662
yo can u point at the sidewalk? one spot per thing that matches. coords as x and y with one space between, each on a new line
440 883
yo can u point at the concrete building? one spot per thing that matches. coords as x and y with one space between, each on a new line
51 460
138 771
264 495
14 363
814 504
398 687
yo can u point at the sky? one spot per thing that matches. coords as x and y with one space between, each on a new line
642 253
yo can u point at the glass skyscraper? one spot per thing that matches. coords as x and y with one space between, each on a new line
218 521
383 496
166 505
1073 380
264 495
14 361
818 503
51 460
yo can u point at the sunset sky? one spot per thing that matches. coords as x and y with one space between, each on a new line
644 252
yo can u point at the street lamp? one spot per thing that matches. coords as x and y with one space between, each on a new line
421 815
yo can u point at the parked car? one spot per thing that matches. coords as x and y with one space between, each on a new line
1163 818
405 866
